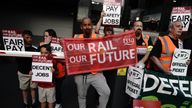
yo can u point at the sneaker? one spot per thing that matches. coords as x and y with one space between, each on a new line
58 106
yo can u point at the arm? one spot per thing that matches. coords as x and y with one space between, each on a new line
145 58
159 65
97 28
149 49
147 54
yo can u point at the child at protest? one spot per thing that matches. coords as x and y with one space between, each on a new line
46 90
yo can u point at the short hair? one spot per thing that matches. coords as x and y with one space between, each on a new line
84 18
171 24
108 28
46 46
27 32
51 32
135 22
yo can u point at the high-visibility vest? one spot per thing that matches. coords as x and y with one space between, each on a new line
92 36
168 48
140 48
145 39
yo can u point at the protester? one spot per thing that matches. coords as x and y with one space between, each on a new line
109 74
108 29
163 50
142 41
48 34
96 79
24 72
46 90
59 77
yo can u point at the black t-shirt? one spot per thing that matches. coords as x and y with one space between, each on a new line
24 63
141 42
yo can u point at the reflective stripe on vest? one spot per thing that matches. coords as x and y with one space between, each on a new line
92 36
167 51
145 39
141 49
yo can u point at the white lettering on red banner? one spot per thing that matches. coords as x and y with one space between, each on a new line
88 55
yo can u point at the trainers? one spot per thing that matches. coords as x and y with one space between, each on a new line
58 106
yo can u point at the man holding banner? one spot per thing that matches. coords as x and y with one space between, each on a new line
96 79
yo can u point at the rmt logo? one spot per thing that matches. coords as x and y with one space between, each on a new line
135 74
182 55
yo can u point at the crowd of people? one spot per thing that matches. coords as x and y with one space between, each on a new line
158 57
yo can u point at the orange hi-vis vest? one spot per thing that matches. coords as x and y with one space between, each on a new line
144 45
93 35
168 48
145 39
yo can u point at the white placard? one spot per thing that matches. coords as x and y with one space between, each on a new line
56 47
13 43
182 14
13 40
41 69
134 81
178 65
112 10
25 54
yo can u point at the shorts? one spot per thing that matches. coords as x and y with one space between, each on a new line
46 94
25 81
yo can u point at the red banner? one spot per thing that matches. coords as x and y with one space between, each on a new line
146 104
90 55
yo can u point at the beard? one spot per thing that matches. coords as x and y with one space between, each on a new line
87 33
138 32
